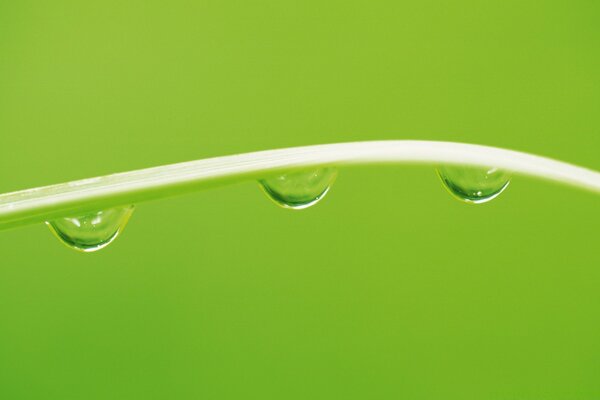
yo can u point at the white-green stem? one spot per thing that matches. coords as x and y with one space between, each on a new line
68 199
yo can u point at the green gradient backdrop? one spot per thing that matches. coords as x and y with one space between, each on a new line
389 288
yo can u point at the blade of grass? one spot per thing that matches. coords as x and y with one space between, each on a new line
73 198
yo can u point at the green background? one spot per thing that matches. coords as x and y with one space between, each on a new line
389 288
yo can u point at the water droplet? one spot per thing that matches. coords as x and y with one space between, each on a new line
474 184
92 231
300 189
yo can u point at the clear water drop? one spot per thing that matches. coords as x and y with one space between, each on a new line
474 184
92 231
299 189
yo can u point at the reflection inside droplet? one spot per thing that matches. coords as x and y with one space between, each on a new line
92 231
474 184
300 189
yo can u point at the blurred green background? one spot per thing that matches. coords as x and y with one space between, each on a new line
389 288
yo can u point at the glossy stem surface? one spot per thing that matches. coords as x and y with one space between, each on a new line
73 198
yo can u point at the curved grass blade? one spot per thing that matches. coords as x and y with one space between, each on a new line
73 198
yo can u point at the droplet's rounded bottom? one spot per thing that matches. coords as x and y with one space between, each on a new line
474 184
299 190
93 231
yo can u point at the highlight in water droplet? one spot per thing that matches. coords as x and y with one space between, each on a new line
300 189
474 184
93 231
